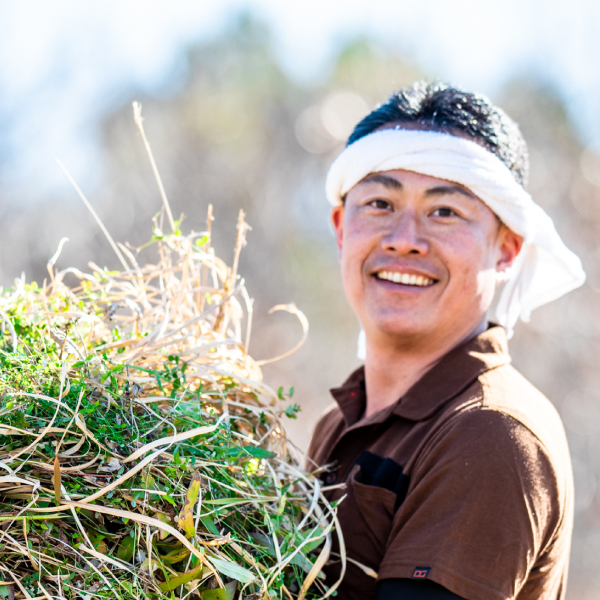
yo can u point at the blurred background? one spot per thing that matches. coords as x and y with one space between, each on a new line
246 103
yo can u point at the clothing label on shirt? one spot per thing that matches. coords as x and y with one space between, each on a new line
420 573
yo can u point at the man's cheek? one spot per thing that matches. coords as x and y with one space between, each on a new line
461 273
349 271
353 251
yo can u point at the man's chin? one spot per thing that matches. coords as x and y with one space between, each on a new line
421 330
403 330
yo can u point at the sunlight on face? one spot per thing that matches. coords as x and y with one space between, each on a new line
419 255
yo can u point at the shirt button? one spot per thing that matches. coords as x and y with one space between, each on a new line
329 478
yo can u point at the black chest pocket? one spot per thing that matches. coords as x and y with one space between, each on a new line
383 473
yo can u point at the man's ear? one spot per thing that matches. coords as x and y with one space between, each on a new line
509 246
337 218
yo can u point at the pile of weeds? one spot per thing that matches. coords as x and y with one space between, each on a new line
141 455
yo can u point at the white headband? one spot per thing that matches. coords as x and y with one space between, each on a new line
544 270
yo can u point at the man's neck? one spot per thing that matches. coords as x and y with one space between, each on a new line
391 370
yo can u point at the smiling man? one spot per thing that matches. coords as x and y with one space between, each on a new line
454 470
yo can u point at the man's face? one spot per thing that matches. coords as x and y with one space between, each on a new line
419 256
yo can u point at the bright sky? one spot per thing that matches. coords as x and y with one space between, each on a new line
64 62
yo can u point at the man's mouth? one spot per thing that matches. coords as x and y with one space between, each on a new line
405 278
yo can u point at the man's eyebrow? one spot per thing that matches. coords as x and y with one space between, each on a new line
442 190
438 190
385 180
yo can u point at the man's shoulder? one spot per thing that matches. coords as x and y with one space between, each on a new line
501 421
505 434
504 390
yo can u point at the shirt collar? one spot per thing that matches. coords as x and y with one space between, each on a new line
445 380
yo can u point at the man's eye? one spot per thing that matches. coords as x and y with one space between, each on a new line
380 204
444 212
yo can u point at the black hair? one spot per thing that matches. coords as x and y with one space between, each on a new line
448 109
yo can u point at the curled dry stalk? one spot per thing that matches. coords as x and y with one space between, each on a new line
141 454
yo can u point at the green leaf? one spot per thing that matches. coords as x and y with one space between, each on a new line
299 560
312 534
186 516
5 591
280 392
253 451
174 583
161 517
210 525
126 549
127 585
291 411
230 569
302 562
227 593
175 556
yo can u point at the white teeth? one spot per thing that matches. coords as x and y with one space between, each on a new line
405 278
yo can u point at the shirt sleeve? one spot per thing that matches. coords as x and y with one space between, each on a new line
482 509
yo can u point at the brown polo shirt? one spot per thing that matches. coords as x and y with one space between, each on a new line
466 480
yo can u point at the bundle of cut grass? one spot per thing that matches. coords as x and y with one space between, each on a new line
141 456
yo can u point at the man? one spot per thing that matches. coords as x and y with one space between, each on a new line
453 471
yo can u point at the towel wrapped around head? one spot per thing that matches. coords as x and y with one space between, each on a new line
545 268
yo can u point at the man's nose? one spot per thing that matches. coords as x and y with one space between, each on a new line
406 235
